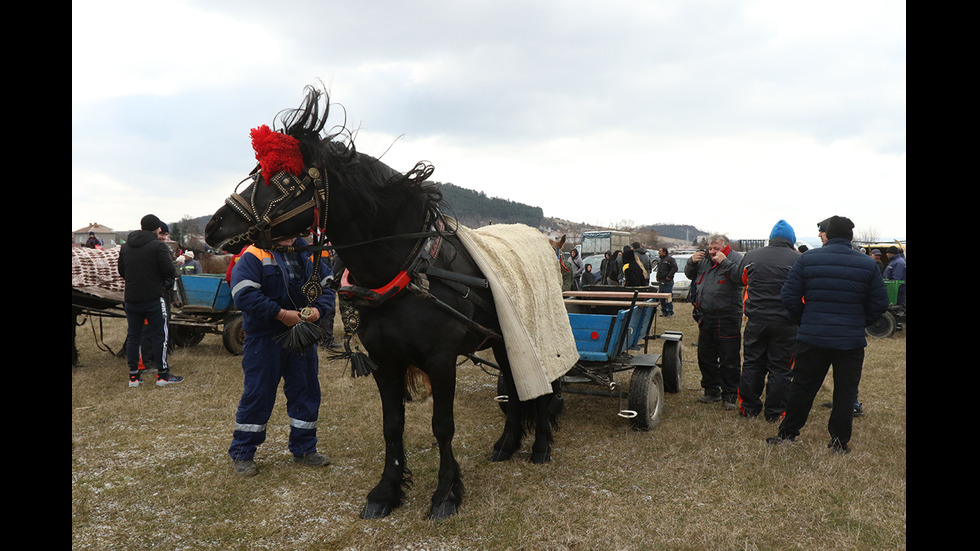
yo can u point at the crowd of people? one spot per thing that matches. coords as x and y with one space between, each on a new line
805 313
630 266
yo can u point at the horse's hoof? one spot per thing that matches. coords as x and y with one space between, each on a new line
541 458
444 510
500 455
375 510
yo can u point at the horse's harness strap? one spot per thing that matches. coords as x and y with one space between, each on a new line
415 275
462 284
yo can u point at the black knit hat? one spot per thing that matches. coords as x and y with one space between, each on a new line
837 227
150 223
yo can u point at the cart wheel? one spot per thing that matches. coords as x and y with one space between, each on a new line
184 336
884 327
646 397
233 335
671 366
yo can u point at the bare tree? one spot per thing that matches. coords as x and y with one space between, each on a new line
184 230
868 235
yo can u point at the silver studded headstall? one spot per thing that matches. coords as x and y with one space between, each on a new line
289 187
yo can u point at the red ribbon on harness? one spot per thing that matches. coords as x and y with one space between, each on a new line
353 292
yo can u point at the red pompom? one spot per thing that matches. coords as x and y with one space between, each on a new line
276 152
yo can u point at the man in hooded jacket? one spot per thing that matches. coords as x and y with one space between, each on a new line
770 332
146 265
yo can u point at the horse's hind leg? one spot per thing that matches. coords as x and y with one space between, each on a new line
396 478
546 411
449 492
510 441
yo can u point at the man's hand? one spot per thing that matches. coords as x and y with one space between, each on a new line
289 318
310 314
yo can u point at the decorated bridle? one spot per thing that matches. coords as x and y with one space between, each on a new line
279 155
281 166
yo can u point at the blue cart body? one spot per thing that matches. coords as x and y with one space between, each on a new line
208 291
608 325
599 337
203 304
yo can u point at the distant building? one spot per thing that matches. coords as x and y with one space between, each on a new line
105 234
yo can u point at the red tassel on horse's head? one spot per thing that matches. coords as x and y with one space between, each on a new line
276 152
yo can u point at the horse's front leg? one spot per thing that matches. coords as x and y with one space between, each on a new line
396 477
449 492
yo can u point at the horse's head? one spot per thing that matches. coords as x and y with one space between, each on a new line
289 193
286 194
266 212
557 245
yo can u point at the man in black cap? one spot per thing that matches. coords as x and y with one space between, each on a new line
833 293
145 264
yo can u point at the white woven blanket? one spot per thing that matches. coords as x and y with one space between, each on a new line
525 279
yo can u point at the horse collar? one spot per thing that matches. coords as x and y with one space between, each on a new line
425 251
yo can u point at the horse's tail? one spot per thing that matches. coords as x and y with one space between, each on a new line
417 385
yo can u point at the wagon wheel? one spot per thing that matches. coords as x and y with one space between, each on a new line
671 366
884 327
646 397
184 336
233 335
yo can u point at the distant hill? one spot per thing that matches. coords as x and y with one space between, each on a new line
680 232
475 209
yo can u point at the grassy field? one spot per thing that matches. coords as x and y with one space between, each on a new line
150 468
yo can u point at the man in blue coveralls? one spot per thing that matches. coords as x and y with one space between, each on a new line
266 287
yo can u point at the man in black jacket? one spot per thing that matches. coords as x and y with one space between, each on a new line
145 264
770 333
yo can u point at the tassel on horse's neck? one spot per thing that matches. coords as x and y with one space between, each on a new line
361 365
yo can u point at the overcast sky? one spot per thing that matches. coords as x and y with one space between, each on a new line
724 114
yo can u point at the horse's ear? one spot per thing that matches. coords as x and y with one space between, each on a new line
561 242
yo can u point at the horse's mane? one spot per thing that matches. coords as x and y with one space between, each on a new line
375 186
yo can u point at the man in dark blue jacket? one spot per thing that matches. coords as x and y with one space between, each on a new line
770 333
833 292
267 287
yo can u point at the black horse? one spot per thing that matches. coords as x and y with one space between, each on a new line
421 300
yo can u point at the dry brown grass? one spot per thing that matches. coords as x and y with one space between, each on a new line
150 468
